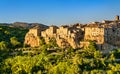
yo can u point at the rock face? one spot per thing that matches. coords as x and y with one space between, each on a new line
32 37
32 40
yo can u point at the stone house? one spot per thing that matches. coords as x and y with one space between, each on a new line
49 33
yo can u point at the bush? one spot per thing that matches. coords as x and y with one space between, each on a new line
3 45
14 41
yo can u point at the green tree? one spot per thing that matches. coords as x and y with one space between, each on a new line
42 41
116 53
6 32
14 41
52 42
97 54
92 46
64 68
3 45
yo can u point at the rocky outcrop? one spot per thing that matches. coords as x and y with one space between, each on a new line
32 40
62 42
32 37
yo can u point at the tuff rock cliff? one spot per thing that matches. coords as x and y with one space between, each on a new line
32 37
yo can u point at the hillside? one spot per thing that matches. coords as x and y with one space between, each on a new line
27 25
22 24
7 33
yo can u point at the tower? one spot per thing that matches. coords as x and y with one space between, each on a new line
117 18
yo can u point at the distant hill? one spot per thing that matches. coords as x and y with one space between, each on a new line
5 24
23 24
27 25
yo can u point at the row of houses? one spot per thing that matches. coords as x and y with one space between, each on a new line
106 34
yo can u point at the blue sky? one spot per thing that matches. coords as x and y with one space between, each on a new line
58 12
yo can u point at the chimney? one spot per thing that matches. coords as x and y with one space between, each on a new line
117 18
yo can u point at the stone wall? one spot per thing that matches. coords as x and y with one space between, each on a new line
95 34
32 40
36 32
50 32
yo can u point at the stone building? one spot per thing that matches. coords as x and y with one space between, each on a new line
65 36
32 37
95 34
71 35
49 33
106 34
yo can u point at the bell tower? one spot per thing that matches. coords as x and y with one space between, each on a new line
116 17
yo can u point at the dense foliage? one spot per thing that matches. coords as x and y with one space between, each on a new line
50 59
59 62
11 37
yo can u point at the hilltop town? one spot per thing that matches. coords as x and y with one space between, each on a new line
105 34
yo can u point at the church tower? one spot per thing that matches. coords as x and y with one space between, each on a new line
117 18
